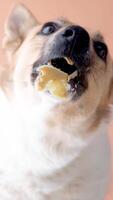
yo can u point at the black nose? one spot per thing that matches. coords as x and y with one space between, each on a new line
78 36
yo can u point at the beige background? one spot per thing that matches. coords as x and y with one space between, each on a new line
97 14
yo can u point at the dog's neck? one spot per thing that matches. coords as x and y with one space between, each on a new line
45 149
48 128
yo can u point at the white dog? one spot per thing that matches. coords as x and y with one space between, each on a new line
52 149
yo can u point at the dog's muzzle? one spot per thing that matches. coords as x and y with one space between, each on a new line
70 52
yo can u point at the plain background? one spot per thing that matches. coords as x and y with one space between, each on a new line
96 14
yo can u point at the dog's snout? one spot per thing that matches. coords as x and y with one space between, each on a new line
69 33
78 36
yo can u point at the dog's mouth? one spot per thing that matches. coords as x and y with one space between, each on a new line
77 74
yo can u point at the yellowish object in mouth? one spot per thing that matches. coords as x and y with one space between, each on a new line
53 80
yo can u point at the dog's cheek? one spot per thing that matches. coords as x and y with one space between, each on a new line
111 92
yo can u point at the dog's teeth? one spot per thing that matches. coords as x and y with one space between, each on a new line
73 75
69 61
49 63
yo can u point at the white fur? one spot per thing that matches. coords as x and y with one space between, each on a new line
29 170
42 158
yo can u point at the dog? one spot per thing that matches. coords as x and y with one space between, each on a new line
52 148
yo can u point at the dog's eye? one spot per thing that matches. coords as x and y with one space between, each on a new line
101 49
49 28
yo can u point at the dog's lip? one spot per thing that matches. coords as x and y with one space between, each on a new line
73 73
65 64
76 79
35 70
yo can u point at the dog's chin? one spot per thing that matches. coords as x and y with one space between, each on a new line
50 101
47 97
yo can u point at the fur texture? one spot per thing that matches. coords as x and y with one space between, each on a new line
51 150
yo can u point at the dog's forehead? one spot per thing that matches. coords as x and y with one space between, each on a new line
63 21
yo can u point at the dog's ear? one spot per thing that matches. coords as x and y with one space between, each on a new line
18 24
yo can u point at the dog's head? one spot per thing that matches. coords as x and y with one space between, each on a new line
67 46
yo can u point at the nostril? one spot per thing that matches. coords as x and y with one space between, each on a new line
68 33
